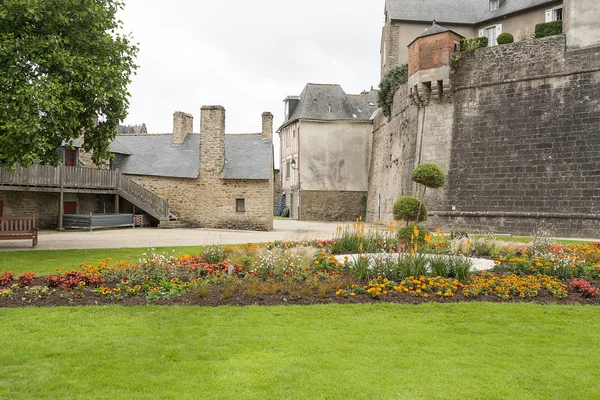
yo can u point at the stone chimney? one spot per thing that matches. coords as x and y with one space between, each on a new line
212 140
183 124
267 126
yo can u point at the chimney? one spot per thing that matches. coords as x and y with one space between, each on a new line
267 126
212 140
183 124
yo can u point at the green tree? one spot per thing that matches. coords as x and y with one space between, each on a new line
64 71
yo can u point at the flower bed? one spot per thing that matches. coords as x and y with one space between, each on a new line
309 272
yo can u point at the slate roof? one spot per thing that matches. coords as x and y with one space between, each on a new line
433 30
329 102
155 155
469 12
247 157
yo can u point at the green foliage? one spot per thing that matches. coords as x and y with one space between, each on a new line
429 175
407 234
505 38
389 84
470 45
64 71
407 208
548 29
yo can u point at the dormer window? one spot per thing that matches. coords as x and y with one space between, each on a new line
494 4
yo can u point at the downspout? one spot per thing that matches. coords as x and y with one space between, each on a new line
299 201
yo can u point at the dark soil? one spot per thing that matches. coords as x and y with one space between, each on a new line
219 296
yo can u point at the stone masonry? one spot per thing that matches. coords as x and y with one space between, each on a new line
341 206
521 132
210 201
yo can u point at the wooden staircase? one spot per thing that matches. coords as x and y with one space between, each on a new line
64 179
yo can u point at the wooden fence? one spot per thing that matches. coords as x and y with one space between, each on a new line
65 177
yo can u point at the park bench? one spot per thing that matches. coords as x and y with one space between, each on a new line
17 228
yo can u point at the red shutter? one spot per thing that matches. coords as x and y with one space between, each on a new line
71 158
70 207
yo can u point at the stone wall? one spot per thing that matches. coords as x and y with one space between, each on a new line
394 151
523 143
45 206
332 205
527 137
211 202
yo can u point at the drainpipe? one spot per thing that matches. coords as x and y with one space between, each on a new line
298 166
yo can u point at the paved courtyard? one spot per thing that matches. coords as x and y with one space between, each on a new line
153 237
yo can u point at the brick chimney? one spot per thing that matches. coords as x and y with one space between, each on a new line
267 126
183 124
212 140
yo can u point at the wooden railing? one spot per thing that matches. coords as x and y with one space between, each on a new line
86 178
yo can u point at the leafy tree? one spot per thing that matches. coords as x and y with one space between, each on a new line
64 71
389 84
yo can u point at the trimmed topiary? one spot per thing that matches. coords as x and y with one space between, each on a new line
407 208
429 175
505 38
470 45
548 29
407 234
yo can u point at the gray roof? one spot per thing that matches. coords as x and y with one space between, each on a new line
433 30
247 157
326 102
156 156
467 12
118 148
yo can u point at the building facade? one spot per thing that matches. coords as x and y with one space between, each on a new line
325 149
407 19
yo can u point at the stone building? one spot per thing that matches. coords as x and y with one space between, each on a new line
211 179
325 148
407 19
208 180
516 127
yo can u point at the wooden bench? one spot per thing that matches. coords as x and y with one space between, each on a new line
17 228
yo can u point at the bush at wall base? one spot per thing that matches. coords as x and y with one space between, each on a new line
407 208
407 234
548 29
505 38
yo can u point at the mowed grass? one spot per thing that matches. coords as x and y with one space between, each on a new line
44 262
383 351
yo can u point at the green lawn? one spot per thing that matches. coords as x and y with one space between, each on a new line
44 262
384 351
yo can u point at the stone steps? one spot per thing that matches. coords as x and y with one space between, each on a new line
171 224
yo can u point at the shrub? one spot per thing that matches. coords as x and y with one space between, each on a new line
406 234
548 29
429 175
389 84
470 45
6 277
505 38
407 207
582 286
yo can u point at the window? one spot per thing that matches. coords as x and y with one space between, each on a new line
491 32
1 208
70 157
294 134
288 170
494 4
240 205
554 14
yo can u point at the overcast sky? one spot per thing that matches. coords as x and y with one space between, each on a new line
246 55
